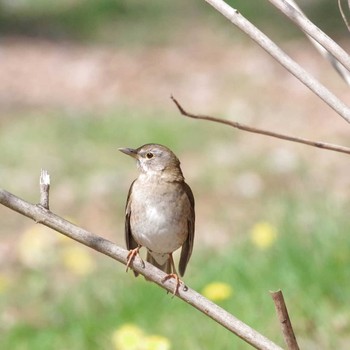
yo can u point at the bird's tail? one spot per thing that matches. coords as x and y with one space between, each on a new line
165 267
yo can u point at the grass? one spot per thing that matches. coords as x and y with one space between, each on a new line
307 263
64 140
49 304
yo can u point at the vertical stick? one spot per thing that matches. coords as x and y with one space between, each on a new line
44 189
282 313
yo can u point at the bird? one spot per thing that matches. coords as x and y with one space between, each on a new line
159 212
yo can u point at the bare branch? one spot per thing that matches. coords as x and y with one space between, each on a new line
44 189
286 325
49 219
269 46
240 126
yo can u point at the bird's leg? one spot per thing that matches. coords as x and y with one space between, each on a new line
131 256
173 275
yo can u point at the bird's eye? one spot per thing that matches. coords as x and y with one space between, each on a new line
149 155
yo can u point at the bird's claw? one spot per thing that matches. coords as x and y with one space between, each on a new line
131 256
178 281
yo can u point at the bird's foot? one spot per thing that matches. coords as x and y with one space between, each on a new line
177 279
131 256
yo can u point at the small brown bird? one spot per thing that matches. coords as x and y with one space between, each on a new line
159 210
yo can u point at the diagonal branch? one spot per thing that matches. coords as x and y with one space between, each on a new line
280 56
244 127
49 219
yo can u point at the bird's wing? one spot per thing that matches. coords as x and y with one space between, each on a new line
188 245
129 239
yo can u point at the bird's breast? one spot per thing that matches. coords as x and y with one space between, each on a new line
159 215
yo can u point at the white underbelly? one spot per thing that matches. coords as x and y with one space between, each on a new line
159 229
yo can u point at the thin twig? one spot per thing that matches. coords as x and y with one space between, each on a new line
269 46
343 15
286 325
47 218
244 127
44 189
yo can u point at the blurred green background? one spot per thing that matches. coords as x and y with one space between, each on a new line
80 79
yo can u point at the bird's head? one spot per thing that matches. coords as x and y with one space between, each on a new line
154 159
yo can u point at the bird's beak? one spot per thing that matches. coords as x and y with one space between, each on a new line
129 151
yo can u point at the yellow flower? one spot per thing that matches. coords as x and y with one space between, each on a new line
131 337
77 259
155 342
263 235
35 245
128 337
217 291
